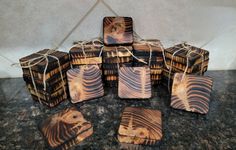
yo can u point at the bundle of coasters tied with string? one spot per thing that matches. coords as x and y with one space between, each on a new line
150 51
45 75
93 50
114 56
184 57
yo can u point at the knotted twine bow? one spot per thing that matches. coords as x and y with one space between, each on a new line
189 51
41 58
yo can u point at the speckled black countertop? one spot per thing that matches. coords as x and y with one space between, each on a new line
182 130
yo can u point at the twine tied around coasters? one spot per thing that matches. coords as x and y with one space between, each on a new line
189 51
150 44
40 58
117 55
81 45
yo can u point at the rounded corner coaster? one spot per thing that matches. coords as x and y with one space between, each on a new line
192 93
140 126
118 30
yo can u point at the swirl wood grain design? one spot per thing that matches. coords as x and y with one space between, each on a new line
134 83
110 59
140 126
192 93
117 30
66 129
85 83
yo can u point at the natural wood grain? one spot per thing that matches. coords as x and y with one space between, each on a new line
117 30
85 83
140 126
192 93
180 56
134 83
66 129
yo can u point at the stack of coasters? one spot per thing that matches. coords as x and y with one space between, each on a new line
92 51
112 58
197 60
192 93
150 51
140 126
45 75
118 30
66 129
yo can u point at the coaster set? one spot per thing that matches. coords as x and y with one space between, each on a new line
133 66
83 53
46 84
197 61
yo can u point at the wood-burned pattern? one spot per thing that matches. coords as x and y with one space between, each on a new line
66 129
192 93
117 30
134 83
85 83
140 126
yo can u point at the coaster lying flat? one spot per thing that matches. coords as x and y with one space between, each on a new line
192 93
140 126
85 83
117 30
66 129
134 83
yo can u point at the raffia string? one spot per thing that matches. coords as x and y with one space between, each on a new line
40 58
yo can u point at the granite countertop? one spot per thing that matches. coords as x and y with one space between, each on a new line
20 116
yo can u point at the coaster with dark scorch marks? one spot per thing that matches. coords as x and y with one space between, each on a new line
140 126
134 83
85 83
66 129
117 30
192 93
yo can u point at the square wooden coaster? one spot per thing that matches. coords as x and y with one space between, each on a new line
192 93
140 126
66 129
85 83
118 30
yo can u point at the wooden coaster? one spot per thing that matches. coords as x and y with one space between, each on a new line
134 83
117 30
180 56
192 93
140 126
85 83
66 129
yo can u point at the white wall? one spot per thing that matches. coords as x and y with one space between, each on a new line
30 25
